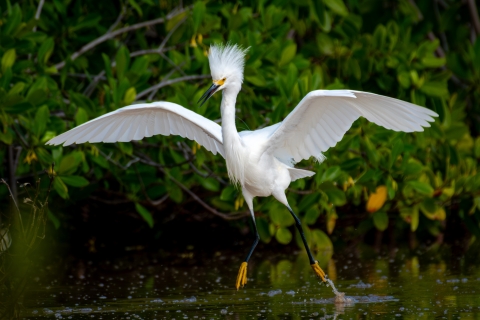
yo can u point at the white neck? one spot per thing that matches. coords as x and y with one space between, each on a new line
232 143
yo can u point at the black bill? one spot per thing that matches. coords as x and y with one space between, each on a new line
208 94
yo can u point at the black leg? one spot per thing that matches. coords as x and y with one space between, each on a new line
242 273
255 242
314 264
300 229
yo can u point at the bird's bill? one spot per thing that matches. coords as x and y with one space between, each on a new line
208 94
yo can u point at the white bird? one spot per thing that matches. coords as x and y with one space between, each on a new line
261 162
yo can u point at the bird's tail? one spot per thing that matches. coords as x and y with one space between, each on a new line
296 174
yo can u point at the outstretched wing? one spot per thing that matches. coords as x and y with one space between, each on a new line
145 120
323 117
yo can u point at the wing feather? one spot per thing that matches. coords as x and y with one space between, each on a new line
323 117
144 120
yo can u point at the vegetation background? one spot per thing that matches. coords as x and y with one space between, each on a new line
63 63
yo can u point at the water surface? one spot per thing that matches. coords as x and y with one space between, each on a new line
186 286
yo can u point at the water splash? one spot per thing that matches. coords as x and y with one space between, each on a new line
339 296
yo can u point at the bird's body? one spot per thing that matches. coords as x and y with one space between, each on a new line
260 161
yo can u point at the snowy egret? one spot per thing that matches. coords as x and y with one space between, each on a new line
261 162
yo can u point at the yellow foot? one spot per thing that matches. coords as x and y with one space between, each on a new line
318 271
242 276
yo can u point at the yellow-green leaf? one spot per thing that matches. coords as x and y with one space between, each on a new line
287 54
8 59
337 6
145 214
130 95
283 235
380 220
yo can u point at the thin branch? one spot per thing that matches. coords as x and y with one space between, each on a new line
187 151
300 191
169 34
101 76
159 201
11 171
176 67
118 201
150 51
119 18
154 92
39 11
15 203
232 216
112 34
474 16
124 167
169 82
439 50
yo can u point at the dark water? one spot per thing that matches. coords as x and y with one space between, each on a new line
191 285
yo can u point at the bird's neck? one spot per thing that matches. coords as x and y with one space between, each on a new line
227 108
232 143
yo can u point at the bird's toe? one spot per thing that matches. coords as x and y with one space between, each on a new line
318 271
242 276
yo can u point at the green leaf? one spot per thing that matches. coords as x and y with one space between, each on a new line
331 174
145 214
337 6
433 62
256 80
312 215
283 236
7 137
380 220
320 240
228 194
45 51
70 163
13 21
74 181
325 43
126 147
41 118
81 116
319 8
60 187
280 216
335 196
396 150
477 143
135 6
435 89
211 184
8 59
421 187
404 79
287 54
199 10
17 88
263 229
415 219
122 60
130 95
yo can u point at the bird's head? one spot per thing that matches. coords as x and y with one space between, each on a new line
226 67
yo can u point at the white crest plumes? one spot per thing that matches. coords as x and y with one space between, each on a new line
227 61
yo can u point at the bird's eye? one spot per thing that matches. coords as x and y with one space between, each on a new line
220 82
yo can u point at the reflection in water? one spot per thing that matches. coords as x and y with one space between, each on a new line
409 287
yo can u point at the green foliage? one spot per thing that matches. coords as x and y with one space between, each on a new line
49 84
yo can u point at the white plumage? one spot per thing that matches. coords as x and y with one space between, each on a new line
260 161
